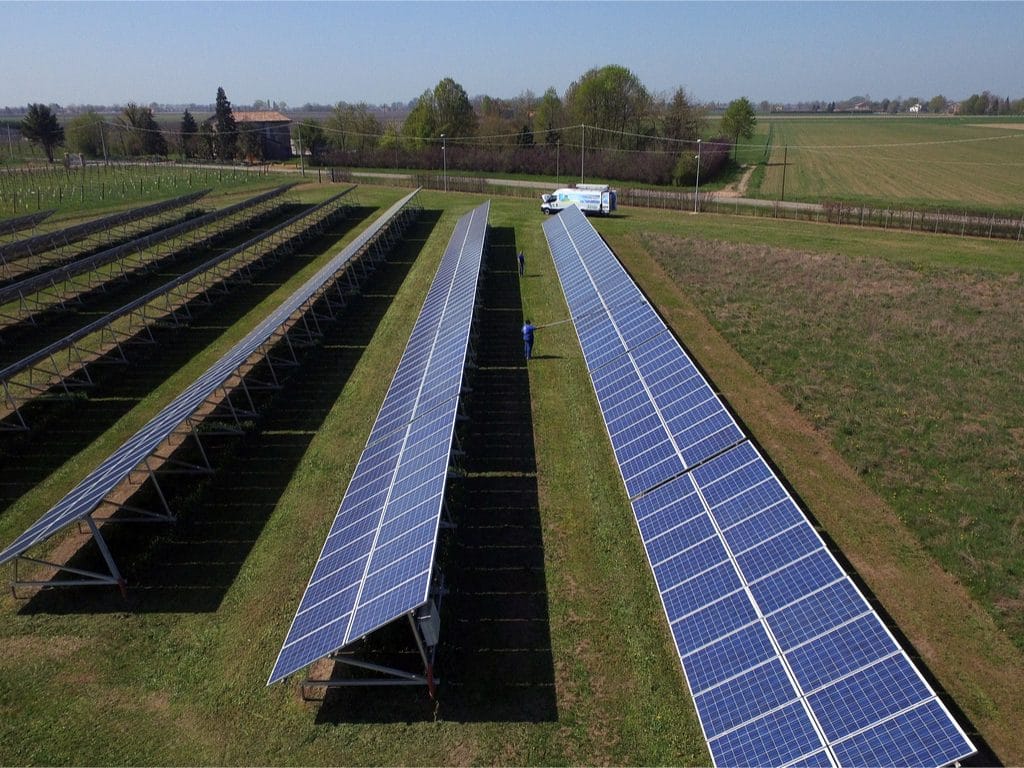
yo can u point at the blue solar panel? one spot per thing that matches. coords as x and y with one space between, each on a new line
87 495
377 562
786 660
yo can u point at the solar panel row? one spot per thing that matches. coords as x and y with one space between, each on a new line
50 240
218 221
377 562
211 272
786 660
19 223
81 501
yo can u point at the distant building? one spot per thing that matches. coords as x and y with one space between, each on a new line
915 109
274 129
861 106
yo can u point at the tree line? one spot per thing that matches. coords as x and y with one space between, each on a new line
606 116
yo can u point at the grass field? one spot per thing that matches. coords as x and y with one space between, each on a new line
99 187
934 161
901 386
582 669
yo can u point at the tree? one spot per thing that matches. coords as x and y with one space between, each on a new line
452 110
353 126
937 104
548 117
206 146
312 137
84 134
250 143
524 138
681 119
612 98
142 135
421 123
188 130
40 127
225 128
738 120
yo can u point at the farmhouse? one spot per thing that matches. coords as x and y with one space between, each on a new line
274 129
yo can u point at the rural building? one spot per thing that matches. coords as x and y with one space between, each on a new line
915 109
274 129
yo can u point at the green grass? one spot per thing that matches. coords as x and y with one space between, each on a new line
917 161
99 188
905 359
113 683
912 370
187 686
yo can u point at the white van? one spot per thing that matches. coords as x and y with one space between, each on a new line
589 198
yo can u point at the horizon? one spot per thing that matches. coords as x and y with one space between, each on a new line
112 54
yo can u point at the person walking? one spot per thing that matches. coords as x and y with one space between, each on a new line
528 330
521 257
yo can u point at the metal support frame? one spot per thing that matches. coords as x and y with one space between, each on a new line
85 578
168 307
425 626
71 282
21 257
241 381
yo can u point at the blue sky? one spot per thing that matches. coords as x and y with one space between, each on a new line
298 52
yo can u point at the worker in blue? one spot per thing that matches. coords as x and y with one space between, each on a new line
528 330
521 257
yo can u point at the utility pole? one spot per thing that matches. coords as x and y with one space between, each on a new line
785 155
103 143
583 145
696 186
302 159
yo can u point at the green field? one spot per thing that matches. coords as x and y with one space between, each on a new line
864 400
99 187
921 161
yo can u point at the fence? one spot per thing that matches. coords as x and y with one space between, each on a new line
963 223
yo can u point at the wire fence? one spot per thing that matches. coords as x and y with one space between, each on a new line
963 223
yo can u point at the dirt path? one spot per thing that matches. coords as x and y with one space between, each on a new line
738 188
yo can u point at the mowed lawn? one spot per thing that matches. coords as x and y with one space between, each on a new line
176 674
933 161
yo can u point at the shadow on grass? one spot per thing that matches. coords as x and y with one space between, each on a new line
54 323
190 565
63 425
494 660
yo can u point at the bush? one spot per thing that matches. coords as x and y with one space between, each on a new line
539 160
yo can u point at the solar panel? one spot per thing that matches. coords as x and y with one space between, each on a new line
81 501
217 219
49 240
18 223
377 562
214 271
786 660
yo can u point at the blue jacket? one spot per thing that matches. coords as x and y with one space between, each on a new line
528 332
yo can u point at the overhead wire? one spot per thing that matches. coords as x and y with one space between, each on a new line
489 139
